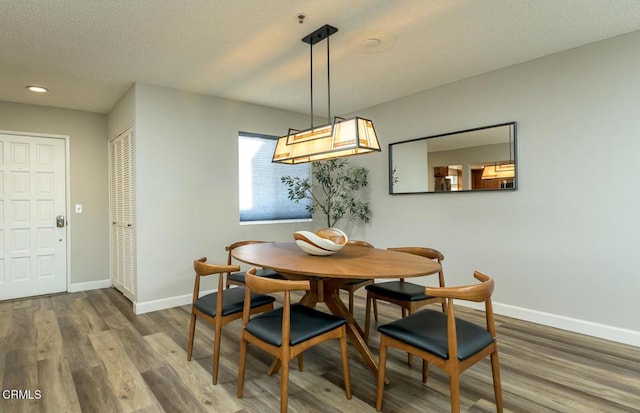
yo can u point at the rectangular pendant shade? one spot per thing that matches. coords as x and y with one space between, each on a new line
499 171
343 137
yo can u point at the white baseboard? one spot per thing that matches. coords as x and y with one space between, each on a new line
603 331
164 303
589 328
90 285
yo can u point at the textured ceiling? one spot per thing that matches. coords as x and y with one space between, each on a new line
90 52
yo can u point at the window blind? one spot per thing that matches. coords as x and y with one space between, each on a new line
262 196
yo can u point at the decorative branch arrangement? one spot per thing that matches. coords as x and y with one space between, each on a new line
335 190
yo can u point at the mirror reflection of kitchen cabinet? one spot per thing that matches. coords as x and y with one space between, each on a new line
477 183
440 171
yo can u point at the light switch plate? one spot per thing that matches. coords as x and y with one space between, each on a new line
78 208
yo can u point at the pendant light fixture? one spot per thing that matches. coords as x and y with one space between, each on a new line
341 137
499 171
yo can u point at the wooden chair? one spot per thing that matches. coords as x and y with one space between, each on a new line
237 278
356 284
222 307
407 295
450 343
288 331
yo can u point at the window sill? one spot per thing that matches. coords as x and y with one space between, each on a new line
279 221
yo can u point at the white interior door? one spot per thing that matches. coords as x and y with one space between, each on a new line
33 238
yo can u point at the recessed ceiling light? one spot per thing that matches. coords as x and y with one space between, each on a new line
368 44
37 89
371 42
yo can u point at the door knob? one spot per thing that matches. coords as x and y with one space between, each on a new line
60 221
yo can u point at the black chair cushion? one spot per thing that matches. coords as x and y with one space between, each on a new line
263 272
399 290
306 323
232 301
427 330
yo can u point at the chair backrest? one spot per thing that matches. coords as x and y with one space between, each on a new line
430 253
203 269
265 285
476 292
359 243
237 244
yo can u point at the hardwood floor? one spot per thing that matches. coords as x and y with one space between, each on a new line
88 352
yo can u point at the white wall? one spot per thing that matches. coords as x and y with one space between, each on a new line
563 247
187 185
123 114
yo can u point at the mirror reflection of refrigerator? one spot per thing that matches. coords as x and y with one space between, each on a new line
442 184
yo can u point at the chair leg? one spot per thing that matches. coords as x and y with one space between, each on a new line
345 363
284 386
192 331
497 386
425 371
216 353
367 318
351 301
300 366
454 388
381 371
375 310
274 367
409 355
241 366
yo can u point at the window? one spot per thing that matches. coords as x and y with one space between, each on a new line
262 196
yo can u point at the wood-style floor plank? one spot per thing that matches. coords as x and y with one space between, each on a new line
94 321
141 323
77 347
6 312
132 342
192 375
88 352
20 373
56 384
125 380
54 376
172 394
48 339
94 390
101 302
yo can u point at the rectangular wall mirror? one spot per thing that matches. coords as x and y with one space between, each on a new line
479 159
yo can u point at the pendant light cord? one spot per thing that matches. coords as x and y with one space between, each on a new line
328 81
311 81
328 85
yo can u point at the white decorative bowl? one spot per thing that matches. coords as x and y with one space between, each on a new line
324 242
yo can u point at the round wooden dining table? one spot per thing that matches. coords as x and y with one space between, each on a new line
328 273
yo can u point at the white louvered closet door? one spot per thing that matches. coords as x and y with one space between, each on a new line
123 241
